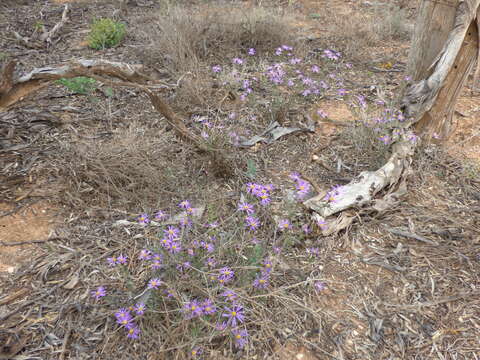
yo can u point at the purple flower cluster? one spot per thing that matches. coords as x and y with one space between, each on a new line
225 275
125 319
303 187
263 192
331 54
195 308
117 260
276 73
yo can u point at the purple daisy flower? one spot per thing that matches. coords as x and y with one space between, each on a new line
210 262
154 283
267 266
192 309
229 295
208 307
240 336
284 224
196 351
174 247
122 259
216 68
252 188
121 313
133 332
99 292
252 223
262 281
184 204
303 188
171 232
264 199
251 51
237 61
322 113
234 315
165 242
160 215
143 219
248 208
140 308
295 176
112 261
157 257
320 286
125 319
144 255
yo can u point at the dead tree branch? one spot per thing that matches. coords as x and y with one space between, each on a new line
129 75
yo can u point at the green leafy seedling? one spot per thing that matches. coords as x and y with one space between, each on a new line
105 33
79 85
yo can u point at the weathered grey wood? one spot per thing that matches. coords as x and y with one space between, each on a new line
434 22
430 100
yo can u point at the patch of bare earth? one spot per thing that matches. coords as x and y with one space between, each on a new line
33 223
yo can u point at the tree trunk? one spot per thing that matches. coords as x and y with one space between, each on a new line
438 27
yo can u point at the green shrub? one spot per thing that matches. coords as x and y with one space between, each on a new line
79 85
105 33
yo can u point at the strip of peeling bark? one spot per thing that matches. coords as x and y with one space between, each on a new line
130 75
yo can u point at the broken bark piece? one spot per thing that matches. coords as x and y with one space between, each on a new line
48 35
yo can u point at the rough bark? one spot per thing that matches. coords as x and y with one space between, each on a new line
430 100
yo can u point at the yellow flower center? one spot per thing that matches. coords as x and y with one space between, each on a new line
194 352
193 307
261 281
131 331
238 336
234 313
208 308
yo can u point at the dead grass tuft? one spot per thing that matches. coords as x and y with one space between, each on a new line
183 38
133 169
360 31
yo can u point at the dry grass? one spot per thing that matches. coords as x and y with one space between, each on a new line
186 42
359 31
133 169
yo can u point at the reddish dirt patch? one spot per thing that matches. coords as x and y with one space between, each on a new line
33 223
465 140
290 352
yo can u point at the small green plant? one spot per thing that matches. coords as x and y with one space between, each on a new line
105 33
79 85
